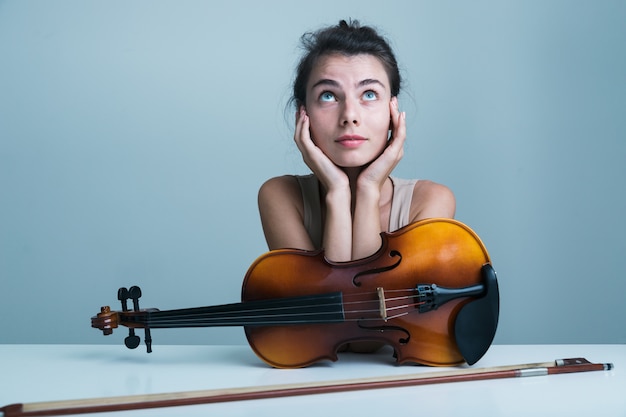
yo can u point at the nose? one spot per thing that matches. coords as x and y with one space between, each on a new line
350 114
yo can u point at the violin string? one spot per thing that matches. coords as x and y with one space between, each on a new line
245 316
176 314
274 318
247 319
269 322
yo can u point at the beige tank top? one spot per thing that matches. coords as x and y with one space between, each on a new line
400 205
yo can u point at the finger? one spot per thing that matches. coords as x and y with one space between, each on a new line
305 132
398 120
299 114
304 142
301 129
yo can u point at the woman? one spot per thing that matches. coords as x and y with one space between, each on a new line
351 135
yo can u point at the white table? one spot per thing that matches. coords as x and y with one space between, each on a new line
35 373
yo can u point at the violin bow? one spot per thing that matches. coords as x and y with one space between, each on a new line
136 402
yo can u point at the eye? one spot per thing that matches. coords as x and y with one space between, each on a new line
327 96
370 95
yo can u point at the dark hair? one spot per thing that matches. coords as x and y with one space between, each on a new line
348 39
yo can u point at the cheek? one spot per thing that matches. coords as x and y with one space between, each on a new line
312 129
316 127
383 125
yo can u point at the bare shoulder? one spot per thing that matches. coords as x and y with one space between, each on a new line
431 199
280 192
282 211
283 184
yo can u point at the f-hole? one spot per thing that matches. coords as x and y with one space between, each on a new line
382 329
356 280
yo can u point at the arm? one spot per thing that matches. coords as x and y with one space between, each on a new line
337 236
282 217
366 225
281 206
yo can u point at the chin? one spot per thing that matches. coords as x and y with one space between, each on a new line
356 161
354 164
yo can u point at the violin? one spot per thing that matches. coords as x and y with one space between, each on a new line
430 292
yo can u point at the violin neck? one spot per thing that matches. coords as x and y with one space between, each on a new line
324 308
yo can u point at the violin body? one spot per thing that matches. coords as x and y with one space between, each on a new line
444 252
429 291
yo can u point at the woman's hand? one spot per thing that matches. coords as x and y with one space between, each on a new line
379 170
337 234
331 176
367 220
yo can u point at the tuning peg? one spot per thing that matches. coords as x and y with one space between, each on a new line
122 295
132 340
134 293
148 339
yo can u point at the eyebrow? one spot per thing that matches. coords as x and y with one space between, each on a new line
370 81
333 83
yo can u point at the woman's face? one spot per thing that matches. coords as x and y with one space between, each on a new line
348 107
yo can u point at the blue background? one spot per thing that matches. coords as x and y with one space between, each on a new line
134 136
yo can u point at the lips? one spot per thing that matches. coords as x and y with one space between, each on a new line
351 141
